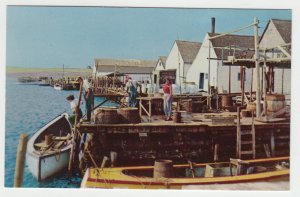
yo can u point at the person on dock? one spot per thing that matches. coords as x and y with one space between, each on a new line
88 96
167 88
131 89
75 109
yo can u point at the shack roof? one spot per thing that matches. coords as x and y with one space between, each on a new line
125 66
188 50
243 42
284 28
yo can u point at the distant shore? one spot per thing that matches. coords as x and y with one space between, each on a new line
47 72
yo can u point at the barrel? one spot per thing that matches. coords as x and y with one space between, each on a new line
251 106
177 117
129 115
163 169
275 102
187 105
227 101
106 116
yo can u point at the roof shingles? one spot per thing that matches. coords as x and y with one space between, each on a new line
188 50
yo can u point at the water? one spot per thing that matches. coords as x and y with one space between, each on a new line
28 108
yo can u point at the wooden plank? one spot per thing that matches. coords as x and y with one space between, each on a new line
267 150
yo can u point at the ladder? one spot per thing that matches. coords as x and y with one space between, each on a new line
243 143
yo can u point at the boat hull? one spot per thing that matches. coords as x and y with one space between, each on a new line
43 164
112 178
43 167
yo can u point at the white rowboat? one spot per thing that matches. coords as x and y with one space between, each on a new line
48 150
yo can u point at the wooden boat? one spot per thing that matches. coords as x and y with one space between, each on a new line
235 171
48 150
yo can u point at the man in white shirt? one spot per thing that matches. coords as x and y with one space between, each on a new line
75 109
88 96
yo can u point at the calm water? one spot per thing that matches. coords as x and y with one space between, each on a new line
28 108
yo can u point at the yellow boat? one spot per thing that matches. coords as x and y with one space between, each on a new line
235 171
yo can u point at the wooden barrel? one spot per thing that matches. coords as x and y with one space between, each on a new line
163 169
187 105
251 106
227 101
129 115
246 113
106 116
198 106
275 102
177 117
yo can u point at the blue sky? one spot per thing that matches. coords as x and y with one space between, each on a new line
74 36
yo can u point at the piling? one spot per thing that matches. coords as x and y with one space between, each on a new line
20 161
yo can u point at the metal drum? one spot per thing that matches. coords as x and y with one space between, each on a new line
275 102
163 169
227 101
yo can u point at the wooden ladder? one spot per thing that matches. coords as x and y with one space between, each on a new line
241 142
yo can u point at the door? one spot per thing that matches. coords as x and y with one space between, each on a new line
201 81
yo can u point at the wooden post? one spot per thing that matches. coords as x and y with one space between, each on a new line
75 136
243 84
251 85
238 134
272 142
216 151
20 161
258 96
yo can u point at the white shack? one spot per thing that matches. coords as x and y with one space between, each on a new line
210 60
277 33
179 61
137 69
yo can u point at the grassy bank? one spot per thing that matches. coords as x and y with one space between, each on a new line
47 72
10 69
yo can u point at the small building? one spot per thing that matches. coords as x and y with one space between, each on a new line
277 33
160 66
210 60
137 69
179 61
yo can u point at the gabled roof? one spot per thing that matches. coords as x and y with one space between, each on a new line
125 66
246 43
284 27
188 50
163 60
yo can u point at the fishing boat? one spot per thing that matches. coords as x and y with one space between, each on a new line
43 81
48 150
181 176
57 86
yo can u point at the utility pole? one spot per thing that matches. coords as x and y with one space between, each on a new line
258 108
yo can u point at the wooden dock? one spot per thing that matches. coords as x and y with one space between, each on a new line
198 138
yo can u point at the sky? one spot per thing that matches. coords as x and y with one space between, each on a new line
48 36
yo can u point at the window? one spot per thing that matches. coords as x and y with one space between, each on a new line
206 75
239 77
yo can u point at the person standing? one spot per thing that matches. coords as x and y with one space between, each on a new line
131 89
167 88
88 96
